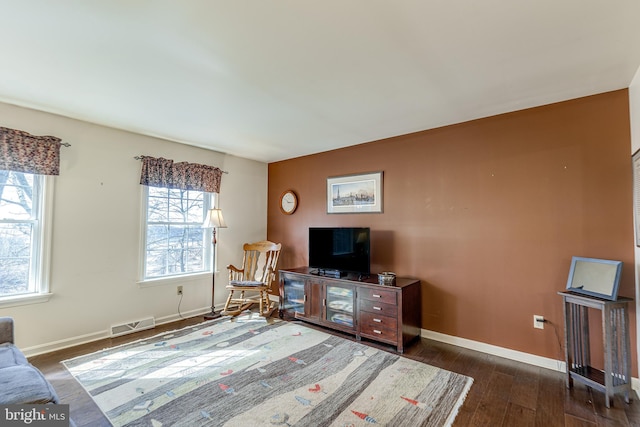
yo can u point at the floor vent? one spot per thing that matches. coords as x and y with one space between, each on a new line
128 328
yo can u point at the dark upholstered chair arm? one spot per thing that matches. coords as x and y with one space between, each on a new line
6 330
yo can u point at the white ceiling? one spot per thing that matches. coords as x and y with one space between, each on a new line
271 80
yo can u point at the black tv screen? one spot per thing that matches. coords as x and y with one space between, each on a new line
345 249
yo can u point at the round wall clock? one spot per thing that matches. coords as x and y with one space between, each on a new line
288 202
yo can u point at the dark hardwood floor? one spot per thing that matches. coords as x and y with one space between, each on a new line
504 392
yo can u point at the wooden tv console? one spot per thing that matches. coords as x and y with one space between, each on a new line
352 304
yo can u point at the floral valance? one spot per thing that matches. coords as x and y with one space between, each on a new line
159 172
23 152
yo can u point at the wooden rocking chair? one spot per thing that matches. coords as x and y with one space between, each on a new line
255 277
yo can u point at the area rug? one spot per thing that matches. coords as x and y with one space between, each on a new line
249 371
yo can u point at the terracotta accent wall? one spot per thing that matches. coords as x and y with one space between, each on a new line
487 214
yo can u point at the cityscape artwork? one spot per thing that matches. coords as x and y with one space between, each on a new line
355 193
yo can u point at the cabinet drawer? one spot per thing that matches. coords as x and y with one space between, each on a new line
381 295
378 308
377 332
378 321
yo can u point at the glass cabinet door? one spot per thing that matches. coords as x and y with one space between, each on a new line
339 305
294 295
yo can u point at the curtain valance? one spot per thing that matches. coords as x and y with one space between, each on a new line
159 172
23 152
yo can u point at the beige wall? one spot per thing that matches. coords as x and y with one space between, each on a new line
634 113
487 214
96 232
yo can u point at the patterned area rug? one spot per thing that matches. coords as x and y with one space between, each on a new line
250 372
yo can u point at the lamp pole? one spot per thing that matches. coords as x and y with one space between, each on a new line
213 220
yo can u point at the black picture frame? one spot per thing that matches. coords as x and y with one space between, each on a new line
595 277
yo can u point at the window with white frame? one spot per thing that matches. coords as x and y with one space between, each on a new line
23 234
175 242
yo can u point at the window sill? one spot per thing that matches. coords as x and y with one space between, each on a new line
18 300
173 280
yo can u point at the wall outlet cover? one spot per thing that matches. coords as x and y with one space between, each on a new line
538 321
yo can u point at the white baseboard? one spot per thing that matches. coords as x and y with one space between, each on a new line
65 343
186 315
518 356
95 336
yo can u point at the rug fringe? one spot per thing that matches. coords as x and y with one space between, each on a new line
454 413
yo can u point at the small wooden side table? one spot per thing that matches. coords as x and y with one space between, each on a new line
616 376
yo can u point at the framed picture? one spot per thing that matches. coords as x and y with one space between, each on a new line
596 277
355 193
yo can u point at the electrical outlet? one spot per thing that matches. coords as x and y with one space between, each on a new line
179 290
538 321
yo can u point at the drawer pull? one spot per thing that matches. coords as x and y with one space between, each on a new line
377 331
377 308
305 297
376 296
377 320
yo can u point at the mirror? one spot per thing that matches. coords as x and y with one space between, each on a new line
596 277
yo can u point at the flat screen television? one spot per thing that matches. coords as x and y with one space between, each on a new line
342 249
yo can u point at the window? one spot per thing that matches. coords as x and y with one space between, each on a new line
175 242
23 231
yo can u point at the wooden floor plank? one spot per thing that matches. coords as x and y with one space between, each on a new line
524 391
573 421
578 403
519 416
551 393
480 370
633 414
493 407
615 416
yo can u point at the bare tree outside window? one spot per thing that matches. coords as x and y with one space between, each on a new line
19 231
175 240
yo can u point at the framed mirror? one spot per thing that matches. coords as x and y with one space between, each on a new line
596 277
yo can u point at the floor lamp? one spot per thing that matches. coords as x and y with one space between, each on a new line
213 220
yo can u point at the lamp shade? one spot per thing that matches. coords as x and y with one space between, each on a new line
214 219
